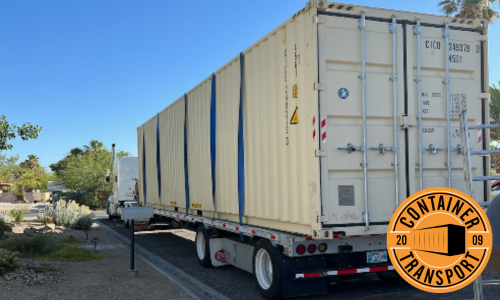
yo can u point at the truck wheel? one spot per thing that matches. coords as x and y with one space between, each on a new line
127 224
390 277
202 243
267 269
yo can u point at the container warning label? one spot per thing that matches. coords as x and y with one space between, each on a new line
439 240
295 91
295 117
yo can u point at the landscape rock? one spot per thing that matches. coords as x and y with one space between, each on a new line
51 227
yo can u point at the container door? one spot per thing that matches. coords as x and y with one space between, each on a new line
464 57
344 198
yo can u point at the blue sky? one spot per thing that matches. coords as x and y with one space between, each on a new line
97 69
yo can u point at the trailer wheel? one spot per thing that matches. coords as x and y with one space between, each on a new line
202 243
127 224
267 269
390 277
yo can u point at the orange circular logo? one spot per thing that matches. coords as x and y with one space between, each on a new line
439 240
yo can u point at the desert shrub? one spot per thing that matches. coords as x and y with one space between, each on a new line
83 223
70 214
35 246
18 213
47 220
4 227
5 217
19 195
9 262
74 253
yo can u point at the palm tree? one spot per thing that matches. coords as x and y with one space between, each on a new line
32 162
94 146
470 9
75 152
495 110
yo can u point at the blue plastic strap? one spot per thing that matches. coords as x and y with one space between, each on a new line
158 161
241 152
186 176
213 123
144 186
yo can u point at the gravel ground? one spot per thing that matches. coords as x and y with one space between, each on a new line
177 247
103 279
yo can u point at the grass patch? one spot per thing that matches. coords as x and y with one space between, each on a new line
70 240
74 254
33 247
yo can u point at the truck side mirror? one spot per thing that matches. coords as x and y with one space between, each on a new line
107 178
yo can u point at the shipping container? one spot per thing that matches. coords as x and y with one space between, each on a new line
320 129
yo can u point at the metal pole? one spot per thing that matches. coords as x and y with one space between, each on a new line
394 80
133 272
419 81
114 153
448 123
362 26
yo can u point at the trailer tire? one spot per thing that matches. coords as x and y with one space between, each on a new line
266 264
110 217
127 224
391 277
202 243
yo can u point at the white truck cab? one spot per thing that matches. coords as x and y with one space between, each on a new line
125 174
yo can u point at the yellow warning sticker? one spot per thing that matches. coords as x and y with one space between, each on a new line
295 117
295 91
173 203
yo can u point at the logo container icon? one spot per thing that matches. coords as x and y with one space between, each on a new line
439 240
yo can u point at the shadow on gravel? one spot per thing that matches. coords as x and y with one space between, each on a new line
177 247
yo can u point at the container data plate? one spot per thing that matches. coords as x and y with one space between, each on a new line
374 257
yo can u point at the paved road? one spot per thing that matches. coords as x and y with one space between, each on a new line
177 247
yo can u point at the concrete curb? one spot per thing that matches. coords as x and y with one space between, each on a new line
191 285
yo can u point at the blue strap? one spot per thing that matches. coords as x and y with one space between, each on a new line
144 186
186 176
158 161
213 124
241 152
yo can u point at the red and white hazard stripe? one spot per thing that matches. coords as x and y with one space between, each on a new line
479 134
314 127
342 272
323 130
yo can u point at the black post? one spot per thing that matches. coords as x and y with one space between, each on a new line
132 247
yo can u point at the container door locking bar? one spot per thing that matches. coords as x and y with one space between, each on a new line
382 149
350 148
362 26
432 150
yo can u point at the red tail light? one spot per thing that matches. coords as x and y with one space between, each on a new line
311 248
301 249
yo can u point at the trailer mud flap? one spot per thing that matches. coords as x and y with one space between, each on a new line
298 288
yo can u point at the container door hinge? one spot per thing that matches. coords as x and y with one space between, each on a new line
319 87
482 38
322 219
320 153
407 121
365 215
318 19
484 96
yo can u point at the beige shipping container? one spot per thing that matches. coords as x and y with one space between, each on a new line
310 157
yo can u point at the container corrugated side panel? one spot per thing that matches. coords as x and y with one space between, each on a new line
140 134
281 169
172 152
199 160
151 158
227 107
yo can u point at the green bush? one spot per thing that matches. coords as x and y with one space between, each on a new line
19 195
70 240
5 217
18 213
9 262
4 227
74 253
36 246
71 215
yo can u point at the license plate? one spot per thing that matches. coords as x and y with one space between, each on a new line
374 257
